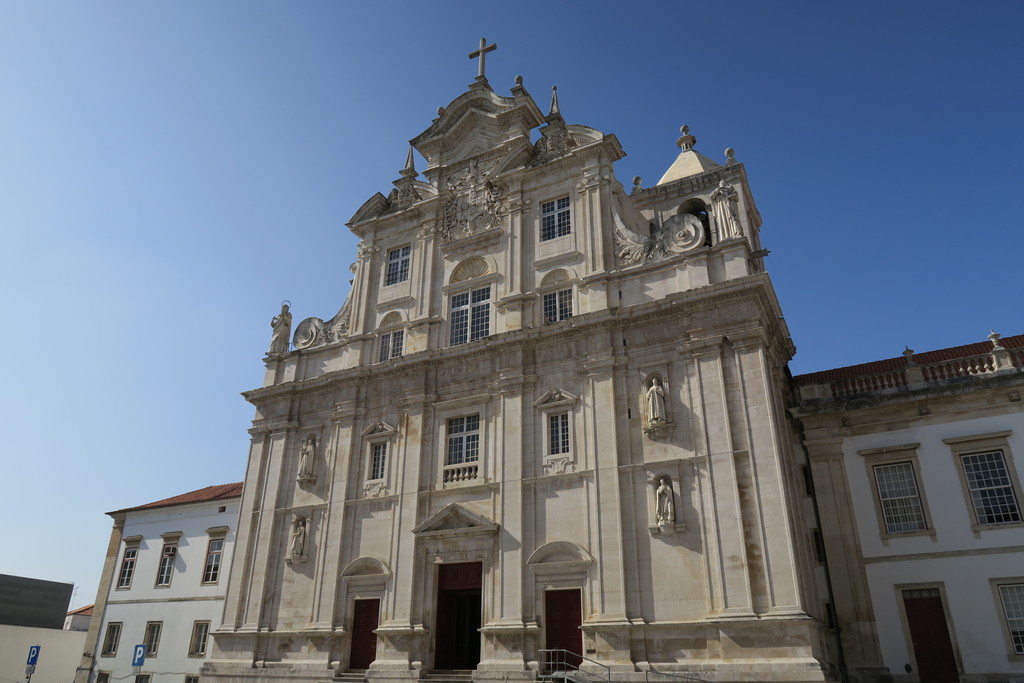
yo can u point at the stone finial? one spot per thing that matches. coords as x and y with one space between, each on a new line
519 80
730 156
636 184
908 353
410 166
440 110
686 141
554 102
996 339
1001 360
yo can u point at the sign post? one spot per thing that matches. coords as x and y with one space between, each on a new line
30 664
138 657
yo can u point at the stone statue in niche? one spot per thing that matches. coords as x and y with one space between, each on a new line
297 541
282 326
307 458
656 402
664 508
727 209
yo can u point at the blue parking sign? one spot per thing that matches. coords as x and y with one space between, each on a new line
33 655
139 656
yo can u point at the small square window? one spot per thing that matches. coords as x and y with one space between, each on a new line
557 305
165 571
111 639
463 440
151 638
555 219
1012 598
378 459
200 632
214 553
191 679
391 345
102 677
142 678
124 577
558 433
398 266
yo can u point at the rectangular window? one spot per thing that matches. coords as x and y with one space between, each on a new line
555 219
391 345
111 639
151 639
558 433
463 440
166 569
901 502
214 552
124 577
102 677
142 678
197 646
557 306
191 679
991 489
1012 597
470 316
377 459
398 266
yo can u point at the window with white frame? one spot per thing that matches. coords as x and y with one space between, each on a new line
992 494
165 570
124 577
555 219
899 497
398 266
200 632
111 639
470 316
391 345
214 554
557 305
1011 595
378 460
463 440
151 637
558 433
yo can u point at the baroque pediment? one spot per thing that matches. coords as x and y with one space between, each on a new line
455 519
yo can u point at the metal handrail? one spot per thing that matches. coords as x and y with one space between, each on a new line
549 666
673 674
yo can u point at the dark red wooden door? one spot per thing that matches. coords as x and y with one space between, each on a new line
365 615
457 644
933 650
563 614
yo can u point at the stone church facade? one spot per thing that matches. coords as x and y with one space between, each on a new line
548 422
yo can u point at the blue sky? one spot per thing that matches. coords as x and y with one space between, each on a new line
169 172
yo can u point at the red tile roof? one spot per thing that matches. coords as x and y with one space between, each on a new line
198 496
84 611
895 364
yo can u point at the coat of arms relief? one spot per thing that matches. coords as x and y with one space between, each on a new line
474 203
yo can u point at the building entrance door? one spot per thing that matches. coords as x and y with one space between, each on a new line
933 650
365 615
563 615
457 644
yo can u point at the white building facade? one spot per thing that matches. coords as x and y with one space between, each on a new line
163 587
917 461
549 421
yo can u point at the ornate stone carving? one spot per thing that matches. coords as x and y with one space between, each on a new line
655 401
315 332
402 198
725 203
282 326
558 466
375 489
475 203
307 460
681 233
664 505
555 142
297 541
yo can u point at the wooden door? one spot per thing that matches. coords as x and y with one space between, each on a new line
933 650
365 615
563 615
457 644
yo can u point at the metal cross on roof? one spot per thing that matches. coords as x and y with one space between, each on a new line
482 54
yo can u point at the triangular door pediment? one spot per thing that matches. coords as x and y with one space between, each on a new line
455 519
